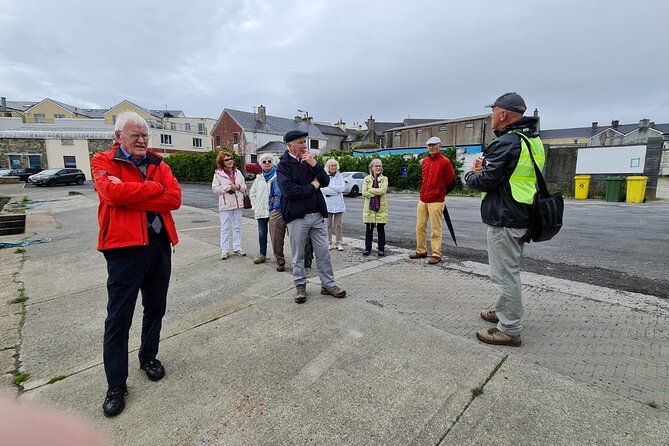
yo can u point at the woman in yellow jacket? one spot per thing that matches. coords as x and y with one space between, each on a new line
375 209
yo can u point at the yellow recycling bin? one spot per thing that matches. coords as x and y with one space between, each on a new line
581 187
636 189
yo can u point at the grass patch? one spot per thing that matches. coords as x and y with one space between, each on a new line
56 379
3 202
18 300
74 192
477 391
19 250
20 377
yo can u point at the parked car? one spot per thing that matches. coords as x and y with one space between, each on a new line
52 177
353 183
21 173
251 170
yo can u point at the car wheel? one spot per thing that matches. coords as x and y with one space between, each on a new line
51 183
354 191
80 181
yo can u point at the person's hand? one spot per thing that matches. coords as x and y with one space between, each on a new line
477 166
114 179
315 183
308 158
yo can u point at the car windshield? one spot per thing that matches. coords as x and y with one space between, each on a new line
49 171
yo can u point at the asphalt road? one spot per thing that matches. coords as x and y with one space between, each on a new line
617 245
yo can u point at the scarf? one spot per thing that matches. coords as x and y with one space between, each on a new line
375 201
269 174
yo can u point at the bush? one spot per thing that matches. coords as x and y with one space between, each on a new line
197 167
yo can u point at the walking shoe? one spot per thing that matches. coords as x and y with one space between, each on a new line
154 370
280 268
301 296
329 247
114 400
240 253
417 255
259 259
489 315
434 260
333 291
225 255
340 247
380 253
494 336
365 253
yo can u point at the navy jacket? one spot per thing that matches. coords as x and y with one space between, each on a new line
298 194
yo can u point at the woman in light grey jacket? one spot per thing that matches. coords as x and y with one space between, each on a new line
229 185
334 199
259 195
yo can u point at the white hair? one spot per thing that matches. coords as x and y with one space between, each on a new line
330 162
266 156
129 116
373 163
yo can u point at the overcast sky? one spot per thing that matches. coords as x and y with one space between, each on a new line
577 61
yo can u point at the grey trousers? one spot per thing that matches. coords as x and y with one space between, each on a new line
314 226
504 253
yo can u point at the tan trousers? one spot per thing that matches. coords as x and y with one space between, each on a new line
334 226
434 212
277 233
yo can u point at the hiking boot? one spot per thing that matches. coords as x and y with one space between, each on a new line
301 296
434 260
494 336
333 291
417 255
280 268
490 316
259 259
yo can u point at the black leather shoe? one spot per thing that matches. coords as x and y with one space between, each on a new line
114 401
154 370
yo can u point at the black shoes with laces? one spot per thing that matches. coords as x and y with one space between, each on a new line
114 401
154 369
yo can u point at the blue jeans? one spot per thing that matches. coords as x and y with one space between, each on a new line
262 235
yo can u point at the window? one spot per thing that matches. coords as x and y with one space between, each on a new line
469 125
15 162
67 141
218 140
419 131
114 119
40 118
235 138
398 133
197 142
442 128
200 128
166 139
58 115
34 161
173 126
187 126
69 161
313 144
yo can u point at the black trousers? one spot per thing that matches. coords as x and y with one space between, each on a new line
369 235
131 269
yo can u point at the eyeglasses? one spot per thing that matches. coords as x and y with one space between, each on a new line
228 159
136 136
267 162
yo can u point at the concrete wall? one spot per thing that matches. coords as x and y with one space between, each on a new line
465 132
56 150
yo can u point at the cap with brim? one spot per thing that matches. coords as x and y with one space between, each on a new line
294 134
510 101
433 140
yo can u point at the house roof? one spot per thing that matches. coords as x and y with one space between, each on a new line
20 106
589 132
167 113
38 132
445 121
274 125
380 127
411 121
327 129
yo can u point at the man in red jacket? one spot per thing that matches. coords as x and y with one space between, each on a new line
437 174
137 192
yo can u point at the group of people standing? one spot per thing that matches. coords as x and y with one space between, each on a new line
138 191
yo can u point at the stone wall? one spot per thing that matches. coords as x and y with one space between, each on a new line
98 145
23 147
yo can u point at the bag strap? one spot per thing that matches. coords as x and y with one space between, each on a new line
543 190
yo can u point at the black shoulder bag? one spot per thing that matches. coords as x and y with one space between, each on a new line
547 209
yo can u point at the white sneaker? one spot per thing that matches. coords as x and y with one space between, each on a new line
329 247
239 252
224 255
339 247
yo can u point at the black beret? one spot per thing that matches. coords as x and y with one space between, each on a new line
293 135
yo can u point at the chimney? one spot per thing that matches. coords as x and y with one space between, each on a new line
594 125
370 125
614 124
536 112
341 124
644 123
262 115
651 124
3 104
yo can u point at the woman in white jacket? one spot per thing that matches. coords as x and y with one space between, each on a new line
259 195
229 184
334 198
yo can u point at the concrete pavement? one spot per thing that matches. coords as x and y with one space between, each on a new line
394 363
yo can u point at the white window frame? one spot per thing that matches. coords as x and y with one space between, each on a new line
165 140
197 142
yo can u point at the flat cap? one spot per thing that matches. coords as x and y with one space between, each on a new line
433 140
293 135
510 101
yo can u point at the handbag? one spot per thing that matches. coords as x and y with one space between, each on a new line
547 209
247 202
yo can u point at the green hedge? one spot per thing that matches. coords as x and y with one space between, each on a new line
199 167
